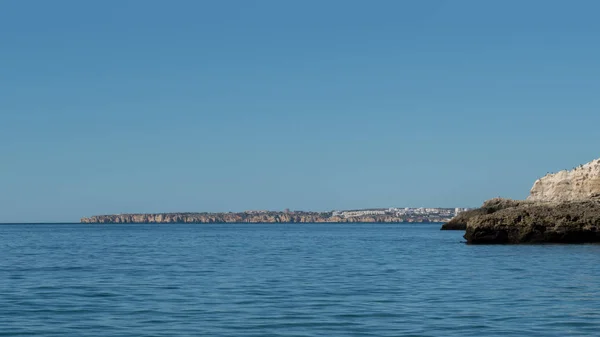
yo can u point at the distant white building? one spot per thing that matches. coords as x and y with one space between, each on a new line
459 210
349 214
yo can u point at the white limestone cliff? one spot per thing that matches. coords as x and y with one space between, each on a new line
581 183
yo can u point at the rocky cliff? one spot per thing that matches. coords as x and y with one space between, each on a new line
578 184
243 217
538 222
563 207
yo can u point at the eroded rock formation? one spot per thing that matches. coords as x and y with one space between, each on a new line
563 207
459 222
567 222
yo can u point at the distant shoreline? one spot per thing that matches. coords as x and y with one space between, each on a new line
391 215
373 215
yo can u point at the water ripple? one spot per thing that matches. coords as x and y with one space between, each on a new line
289 280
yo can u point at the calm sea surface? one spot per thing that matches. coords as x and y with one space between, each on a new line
289 280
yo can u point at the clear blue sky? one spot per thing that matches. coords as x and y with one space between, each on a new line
158 106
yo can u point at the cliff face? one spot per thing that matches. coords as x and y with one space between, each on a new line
265 217
563 207
581 183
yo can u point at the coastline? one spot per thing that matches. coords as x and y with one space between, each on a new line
256 217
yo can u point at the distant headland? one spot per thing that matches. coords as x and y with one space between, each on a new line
382 215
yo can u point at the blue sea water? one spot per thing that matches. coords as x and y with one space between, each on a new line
289 280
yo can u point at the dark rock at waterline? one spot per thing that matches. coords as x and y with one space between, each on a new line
568 222
459 222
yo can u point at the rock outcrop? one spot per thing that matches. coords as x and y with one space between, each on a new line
563 207
579 184
567 222
459 222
